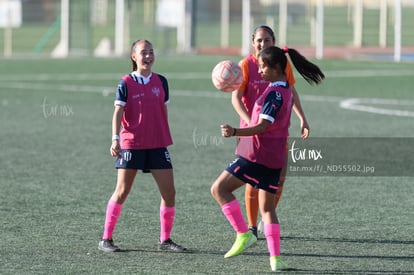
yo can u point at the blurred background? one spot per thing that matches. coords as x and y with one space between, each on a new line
324 28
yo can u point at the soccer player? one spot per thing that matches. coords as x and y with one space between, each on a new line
141 143
261 151
243 100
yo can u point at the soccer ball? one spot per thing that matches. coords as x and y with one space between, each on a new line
227 76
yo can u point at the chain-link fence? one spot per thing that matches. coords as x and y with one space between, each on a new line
34 27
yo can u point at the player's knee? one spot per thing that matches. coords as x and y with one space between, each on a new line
217 190
119 196
168 194
214 190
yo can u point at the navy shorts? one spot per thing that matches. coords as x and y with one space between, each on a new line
257 175
144 160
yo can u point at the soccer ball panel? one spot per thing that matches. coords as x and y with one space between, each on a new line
227 76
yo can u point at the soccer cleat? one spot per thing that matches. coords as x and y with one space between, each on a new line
254 230
276 264
108 245
260 227
243 241
171 246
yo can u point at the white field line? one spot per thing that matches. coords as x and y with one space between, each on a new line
364 105
368 73
54 87
194 75
105 90
28 82
356 104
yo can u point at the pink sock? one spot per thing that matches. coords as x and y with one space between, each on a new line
233 214
272 233
166 221
113 211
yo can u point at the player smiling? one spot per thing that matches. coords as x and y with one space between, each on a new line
141 143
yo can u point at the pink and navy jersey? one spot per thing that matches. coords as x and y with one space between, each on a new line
269 147
253 84
144 121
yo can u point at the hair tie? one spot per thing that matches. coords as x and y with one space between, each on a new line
285 49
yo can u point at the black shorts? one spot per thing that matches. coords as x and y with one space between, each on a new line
144 160
257 175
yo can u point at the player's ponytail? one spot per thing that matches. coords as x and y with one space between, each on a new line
273 56
134 65
309 71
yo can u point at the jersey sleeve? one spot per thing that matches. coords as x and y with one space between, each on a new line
271 106
166 89
289 74
121 93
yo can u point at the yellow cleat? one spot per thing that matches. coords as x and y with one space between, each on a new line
243 241
276 264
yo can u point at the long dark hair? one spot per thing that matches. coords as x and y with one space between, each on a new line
273 55
134 65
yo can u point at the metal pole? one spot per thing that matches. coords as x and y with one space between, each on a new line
119 27
188 23
319 29
383 24
184 33
8 31
358 15
62 49
225 23
282 23
397 28
246 27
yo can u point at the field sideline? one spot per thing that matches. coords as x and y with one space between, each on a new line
57 174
